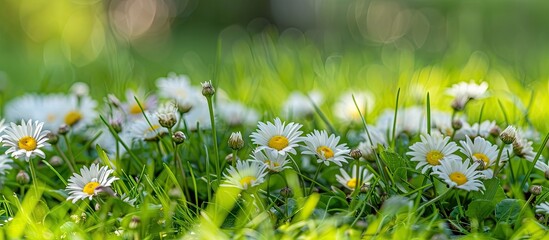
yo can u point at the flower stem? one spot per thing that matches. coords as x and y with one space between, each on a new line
214 135
434 200
314 179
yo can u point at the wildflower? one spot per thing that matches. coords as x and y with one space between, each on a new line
178 88
272 160
409 120
5 162
326 149
508 135
87 183
459 175
278 136
132 108
179 137
482 150
235 141
25 140
356 154
371 142
346 110
207 89
198 116
351 181
236 114
299 106
543 208
167 115
523 148
245 175
22 177
476 130
146 130
536 189
432 150
464 92
80 89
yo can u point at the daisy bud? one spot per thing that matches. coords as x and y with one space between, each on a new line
365 188
457 124
116 125
536 190
114 101
52 138
134 223
22 177
184 108
80 89
286 192
56 161
547 174
235 141
207 89
458 104
356 154
508 135
178 137
64 129
167 115
229 158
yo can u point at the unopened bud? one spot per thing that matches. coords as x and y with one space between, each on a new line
356 153
481 164
235 141
80 89
286 192
458 104
184 108
207 89
508 135
547 174
178 137
56 161
495 131
116 125
365 188
52 138
536 190
229 158
22 177
134 223
457 124
114 101
167 115
63 129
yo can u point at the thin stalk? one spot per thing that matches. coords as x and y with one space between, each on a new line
69 150
33 174
498 159
314 178
393 140
540 150
179 165
64 157
434 200
214 135
234 157
428 114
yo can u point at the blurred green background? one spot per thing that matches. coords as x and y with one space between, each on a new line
259 51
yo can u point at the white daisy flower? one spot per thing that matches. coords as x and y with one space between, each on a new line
543 208
198 115
278 136
49 109
236 113
5 162
410 120
178 88
142 129
476 130
167 115
245 175
85 185
542 166
464 92
459 175
299 106
351 181
80 112
432 150
25 140
523 148
483 150
273 161
346 110
326 149
131 107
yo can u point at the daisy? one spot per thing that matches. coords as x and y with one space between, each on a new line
245 175
346 110
279 137
5 162
432 150
464 92
543 208
236 113
299 106
80 112
477 130
326 149
142 129
351 181
459 175
409 120
132 106
49 109
272 160
85 185
25 140
377 138
199 115
178 88
483 150
523 148
167 115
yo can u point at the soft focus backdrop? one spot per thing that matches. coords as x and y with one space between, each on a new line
260 51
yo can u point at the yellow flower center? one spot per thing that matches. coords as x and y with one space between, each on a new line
247 181
458 178
482 157
90 188
154 127
135 109
278 142
72 118
325 151
433 157
351 183
27 143
275 164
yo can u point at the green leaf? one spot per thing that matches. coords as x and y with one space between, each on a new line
493 193
480 209
508 210
394 161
